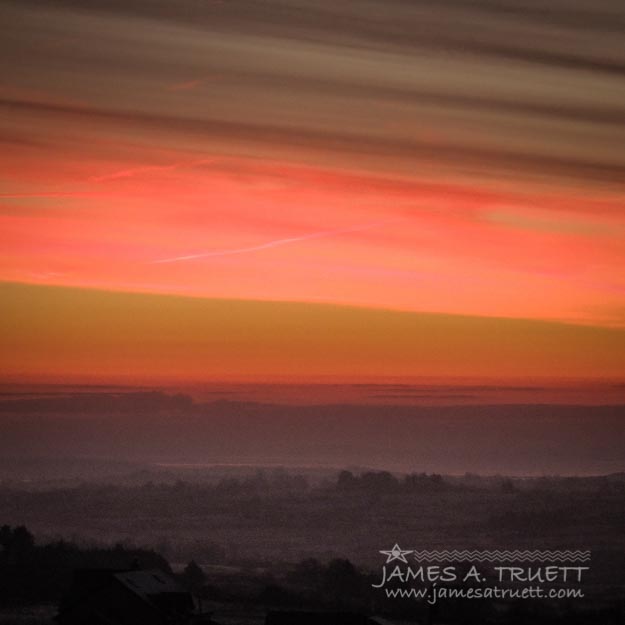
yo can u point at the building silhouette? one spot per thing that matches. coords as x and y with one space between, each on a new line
128 597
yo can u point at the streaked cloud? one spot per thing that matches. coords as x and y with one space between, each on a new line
484 139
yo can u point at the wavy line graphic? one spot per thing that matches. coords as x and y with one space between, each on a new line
503 556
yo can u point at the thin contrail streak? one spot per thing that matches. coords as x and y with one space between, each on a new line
148 169
270 244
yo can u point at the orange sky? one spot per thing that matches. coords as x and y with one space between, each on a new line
356 172
233 228
59 334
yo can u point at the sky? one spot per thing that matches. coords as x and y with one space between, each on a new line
222 189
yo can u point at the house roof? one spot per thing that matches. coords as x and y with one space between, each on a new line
149 583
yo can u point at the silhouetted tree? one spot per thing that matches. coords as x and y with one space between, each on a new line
308 573
508 487
341 583
381 481
346 480
193 576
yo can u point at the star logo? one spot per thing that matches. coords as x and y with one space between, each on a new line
396 553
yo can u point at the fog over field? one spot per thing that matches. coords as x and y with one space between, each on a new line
159 427
281 504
